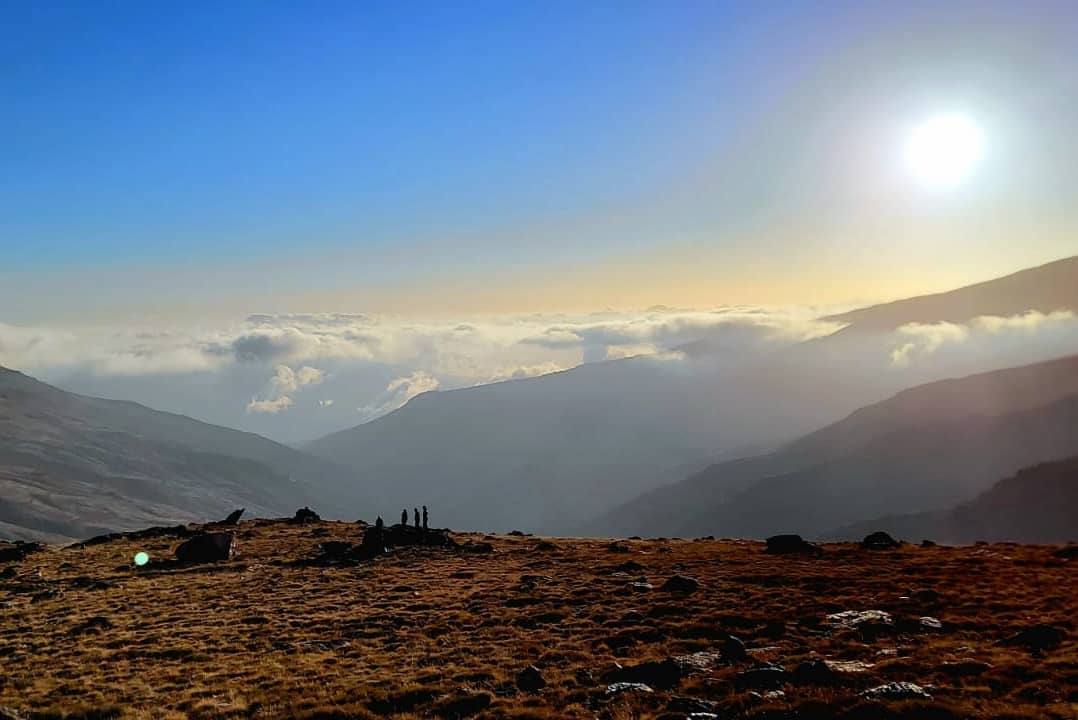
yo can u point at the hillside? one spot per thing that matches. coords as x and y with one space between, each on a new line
74 466
1037 504
1046 288
524 627
926 448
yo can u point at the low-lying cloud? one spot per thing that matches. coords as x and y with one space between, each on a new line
296 376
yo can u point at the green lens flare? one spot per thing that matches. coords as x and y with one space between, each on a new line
142 558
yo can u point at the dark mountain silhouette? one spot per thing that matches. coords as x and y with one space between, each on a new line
1038 504
923 449
1047 288
73 466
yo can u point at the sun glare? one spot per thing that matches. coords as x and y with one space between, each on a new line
944 151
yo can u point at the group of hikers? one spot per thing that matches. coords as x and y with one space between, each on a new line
379 523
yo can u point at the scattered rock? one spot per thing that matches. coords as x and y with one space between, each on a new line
1038 638
698 662
733 650
614 689
849 667
233 517
618 547
1070 552
790 545
815 672
681 584
965 668
210 547
518 533
897 691
879 541
695 707
764 676
478 548
855 618
663 674
305 515
930 623
530 679
640 586
629 566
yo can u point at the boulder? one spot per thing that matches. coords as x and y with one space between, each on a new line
681 584
897 691
233 517
879 541
662 674
305 515
530 679
733 650
210 547
764 676
790 545
1068 552
815 672
618 688
1038 638
16 551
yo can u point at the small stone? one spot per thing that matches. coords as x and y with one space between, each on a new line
681 584
530 679
897 691
623 687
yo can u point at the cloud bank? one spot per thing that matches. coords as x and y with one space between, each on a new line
296 376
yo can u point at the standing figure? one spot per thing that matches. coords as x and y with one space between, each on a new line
416 511
424 517
404 516
379 523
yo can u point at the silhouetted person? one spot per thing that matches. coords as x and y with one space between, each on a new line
416 511
379 523
404 516
424 517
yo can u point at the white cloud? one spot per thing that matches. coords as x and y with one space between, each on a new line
285 382
398 392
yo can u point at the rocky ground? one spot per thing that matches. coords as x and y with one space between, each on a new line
526 627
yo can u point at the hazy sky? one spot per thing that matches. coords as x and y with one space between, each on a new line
179 181
237 158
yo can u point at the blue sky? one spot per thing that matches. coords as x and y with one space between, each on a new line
144 133
351 156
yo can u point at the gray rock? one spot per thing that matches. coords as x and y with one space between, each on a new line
618 688
897 691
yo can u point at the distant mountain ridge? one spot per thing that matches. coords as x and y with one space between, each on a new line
1038 504
927 447
1047 288
550 454
71 466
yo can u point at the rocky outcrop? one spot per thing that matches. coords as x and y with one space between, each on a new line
208 547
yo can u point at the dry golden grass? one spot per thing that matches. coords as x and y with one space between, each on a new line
438 633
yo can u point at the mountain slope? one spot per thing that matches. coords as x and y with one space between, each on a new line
1038 504
1046 288
927 447
548 454
72 465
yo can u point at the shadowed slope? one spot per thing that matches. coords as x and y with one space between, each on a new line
927 447
73 466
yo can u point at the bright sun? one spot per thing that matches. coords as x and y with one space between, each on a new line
944 150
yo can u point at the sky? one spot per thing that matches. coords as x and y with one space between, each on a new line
190 171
